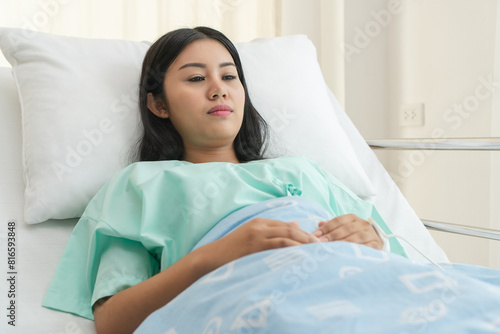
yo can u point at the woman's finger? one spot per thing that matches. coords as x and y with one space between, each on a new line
345 223
292 232
349 228
277 229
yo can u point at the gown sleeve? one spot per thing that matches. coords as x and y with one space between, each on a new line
96 264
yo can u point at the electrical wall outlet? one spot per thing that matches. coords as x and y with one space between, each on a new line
412 115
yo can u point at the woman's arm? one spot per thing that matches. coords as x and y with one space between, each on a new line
124 312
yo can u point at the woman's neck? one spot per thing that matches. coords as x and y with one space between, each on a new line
215 155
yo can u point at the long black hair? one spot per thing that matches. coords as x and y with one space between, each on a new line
160 140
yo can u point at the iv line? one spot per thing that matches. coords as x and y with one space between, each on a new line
392 235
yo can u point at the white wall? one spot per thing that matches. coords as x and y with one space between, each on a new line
322 22
448 55
366 67
495 159
331 25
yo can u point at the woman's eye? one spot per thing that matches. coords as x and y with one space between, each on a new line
196 79
229 77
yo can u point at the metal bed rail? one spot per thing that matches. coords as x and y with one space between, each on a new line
455 144
469 144
464 230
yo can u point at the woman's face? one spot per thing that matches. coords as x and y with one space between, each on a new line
204 96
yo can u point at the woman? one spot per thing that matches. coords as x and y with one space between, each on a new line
196 112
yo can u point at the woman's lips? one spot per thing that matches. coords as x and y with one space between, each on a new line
220 110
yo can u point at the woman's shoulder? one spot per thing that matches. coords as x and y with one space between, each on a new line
125 184
139 172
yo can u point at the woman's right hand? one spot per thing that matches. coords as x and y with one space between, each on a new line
257 235
123 312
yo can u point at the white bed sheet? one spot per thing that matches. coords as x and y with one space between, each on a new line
39 247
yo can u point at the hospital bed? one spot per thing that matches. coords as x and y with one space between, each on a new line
72 101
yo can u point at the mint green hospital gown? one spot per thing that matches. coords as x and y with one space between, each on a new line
151 214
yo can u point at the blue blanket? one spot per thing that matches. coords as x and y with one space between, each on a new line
334 287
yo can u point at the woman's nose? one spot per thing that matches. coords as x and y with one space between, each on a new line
218 91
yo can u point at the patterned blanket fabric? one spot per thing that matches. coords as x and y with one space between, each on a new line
334 287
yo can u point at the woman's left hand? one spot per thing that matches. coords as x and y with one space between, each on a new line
349 228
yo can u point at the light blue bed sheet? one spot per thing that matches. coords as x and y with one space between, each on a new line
334 287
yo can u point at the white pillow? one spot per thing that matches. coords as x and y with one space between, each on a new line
80 115
287 87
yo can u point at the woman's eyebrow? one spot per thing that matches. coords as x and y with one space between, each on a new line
201 65
227 64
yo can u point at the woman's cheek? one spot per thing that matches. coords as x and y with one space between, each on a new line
241 97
